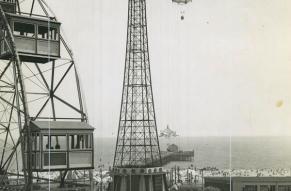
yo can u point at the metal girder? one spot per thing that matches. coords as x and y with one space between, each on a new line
137 143
35 81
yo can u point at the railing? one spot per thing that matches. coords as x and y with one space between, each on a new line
8 6
8 1
37 46
55 160
61 159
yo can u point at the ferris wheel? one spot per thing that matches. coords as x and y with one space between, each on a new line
43 123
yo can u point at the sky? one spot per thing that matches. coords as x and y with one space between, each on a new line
225 70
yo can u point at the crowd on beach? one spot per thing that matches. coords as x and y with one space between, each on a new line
248 172
195 175
179 176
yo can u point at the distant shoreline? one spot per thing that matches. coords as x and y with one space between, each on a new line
243 153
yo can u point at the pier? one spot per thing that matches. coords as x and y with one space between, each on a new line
185 156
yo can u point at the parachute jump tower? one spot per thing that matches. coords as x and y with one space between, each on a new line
44 128
137 160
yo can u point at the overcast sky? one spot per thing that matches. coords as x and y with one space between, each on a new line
221 71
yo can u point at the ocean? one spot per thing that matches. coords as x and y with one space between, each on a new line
219 152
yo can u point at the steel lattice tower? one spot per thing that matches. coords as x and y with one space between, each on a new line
137 153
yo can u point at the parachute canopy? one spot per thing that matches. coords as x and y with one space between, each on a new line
181 1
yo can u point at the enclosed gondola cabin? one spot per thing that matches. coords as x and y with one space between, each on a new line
36 39
8 6
61 146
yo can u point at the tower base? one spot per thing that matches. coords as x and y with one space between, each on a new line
139 179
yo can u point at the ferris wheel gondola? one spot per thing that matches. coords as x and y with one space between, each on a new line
43 127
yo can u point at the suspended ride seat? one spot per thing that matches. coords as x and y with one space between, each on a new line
8 6
61 145
37 39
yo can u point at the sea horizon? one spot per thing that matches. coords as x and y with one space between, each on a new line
239 152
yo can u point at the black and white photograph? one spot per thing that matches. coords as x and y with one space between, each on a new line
145 95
